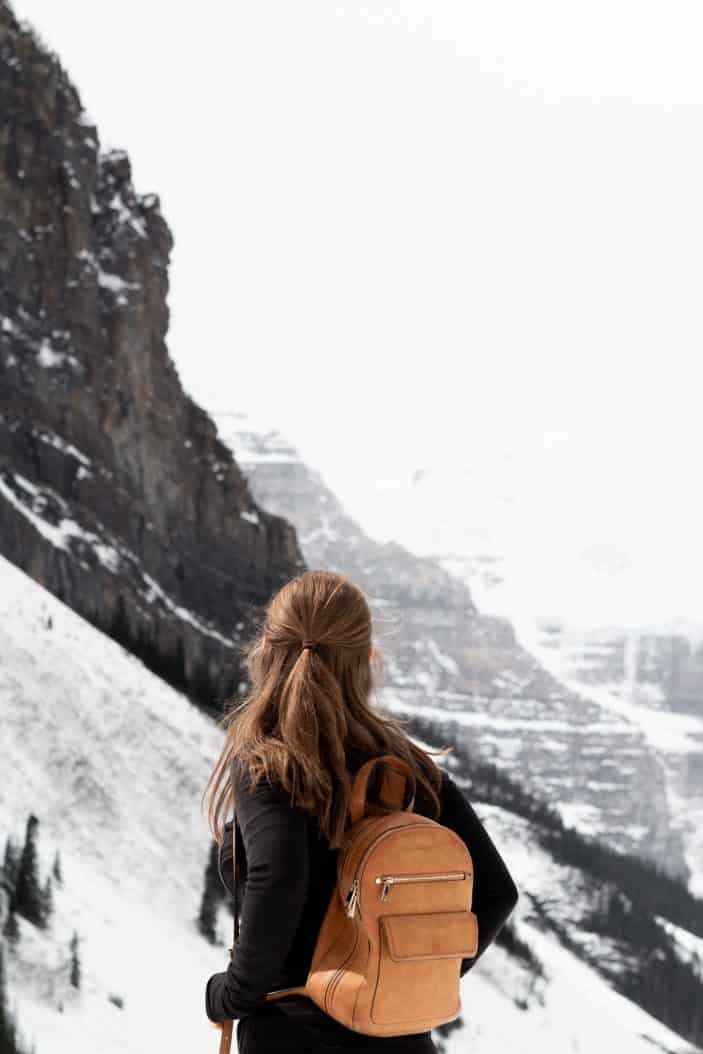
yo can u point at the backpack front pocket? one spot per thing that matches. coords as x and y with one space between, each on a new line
419 965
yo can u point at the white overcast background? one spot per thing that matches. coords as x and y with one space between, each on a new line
431 235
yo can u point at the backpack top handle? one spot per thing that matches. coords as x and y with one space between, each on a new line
398 775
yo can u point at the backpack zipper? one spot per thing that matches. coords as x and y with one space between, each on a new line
386 881
352 900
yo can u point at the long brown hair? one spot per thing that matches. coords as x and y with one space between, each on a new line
307 722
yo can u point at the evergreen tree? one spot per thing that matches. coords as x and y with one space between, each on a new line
47 902
56 869
9 1040
7 1025
28 895
11 930
10 866
442 1032
75 962
212 895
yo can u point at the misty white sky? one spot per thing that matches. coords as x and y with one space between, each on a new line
411 234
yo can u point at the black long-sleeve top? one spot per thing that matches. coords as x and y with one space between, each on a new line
286 879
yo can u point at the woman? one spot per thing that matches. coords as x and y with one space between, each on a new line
291 750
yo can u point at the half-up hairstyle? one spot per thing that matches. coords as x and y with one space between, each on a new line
307 722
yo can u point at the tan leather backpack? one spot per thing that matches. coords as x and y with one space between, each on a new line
388 955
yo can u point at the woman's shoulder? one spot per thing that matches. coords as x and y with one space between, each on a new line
243 777
258 788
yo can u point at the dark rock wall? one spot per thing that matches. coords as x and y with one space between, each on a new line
115 492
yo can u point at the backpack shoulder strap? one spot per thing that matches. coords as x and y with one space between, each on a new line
397 776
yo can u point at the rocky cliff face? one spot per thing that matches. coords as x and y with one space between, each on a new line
465 671
655 668
654 679
115 491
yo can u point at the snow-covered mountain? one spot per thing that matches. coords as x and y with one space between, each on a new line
112 762
598 580
578 551
630 781
587 561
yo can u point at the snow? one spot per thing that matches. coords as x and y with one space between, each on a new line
501 724
59 534
688 944
71 172
107 280
49 357
114 282
125 215
581 1012
155 590
47 436
581 815
253 440
445 661
251 517
119 206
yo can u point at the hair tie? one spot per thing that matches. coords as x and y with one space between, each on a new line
310 644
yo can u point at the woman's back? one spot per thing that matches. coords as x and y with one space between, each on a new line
288 873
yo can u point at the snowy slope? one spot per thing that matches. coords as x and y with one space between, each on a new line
113 762
572 1008
579 1012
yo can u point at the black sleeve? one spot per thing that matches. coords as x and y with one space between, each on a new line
274 834
495 893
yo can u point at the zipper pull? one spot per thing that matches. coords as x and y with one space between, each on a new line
387 881
352 899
